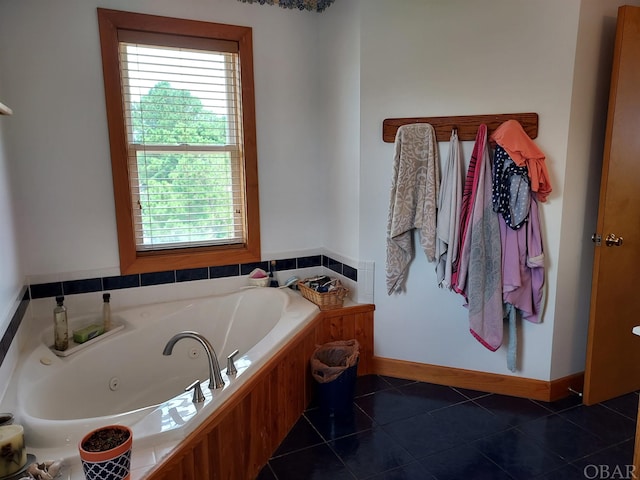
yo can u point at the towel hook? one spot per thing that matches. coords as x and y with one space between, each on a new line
454 130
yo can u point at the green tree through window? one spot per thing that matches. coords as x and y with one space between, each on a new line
171 116
184 195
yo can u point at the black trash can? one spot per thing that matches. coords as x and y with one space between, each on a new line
334 366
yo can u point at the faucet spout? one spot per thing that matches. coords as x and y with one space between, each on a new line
215 376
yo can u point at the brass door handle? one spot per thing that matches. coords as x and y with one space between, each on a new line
613 241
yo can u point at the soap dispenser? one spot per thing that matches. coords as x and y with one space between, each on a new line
60 325
106 311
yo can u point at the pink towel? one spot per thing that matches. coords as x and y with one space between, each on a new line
480 270
523 151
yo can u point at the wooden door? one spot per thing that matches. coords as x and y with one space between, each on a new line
613 352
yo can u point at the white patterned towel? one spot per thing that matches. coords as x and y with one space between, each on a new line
414 197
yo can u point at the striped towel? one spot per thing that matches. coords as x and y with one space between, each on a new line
480 269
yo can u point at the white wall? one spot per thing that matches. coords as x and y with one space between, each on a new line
340 142
59 133
459 57
11 277
596 36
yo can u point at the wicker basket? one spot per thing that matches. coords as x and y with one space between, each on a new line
326 301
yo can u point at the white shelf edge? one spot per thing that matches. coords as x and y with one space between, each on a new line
4 110
75 347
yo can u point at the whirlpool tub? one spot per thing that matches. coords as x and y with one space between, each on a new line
124 378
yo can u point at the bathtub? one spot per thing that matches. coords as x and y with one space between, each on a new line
125 379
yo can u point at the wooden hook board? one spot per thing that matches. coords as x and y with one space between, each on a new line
467 125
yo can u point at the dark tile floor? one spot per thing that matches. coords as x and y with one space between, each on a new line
405 430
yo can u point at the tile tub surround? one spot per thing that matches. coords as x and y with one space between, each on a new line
77 287
72 287
187 283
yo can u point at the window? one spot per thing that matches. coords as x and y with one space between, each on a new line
181 117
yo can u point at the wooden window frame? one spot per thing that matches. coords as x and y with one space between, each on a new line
131 260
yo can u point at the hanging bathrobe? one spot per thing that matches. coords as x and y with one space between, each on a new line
480 269
449 208
413 203
520 180
523 265
522 274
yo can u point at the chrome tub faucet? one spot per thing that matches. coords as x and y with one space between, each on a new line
215 376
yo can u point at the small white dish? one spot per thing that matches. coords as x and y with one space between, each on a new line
259 282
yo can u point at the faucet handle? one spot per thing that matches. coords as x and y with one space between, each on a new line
231 367
198 396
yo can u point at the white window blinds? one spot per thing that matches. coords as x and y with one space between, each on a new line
183 119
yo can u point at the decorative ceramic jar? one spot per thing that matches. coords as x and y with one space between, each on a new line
106 453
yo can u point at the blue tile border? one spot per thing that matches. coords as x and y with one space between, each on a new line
192 274
45 290
247 268
286 264
332 264
14 324
71 287
117 283
157 278
224 271
312 261
350 272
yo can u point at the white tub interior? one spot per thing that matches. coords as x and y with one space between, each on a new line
125 378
